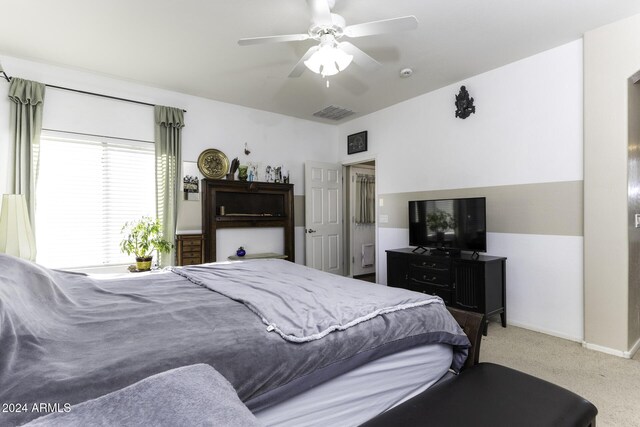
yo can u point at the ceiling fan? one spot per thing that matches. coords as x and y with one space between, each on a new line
331 55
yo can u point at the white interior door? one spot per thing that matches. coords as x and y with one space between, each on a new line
323 216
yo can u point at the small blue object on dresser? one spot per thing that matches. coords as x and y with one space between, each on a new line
241 251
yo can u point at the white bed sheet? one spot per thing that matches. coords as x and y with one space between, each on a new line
358 395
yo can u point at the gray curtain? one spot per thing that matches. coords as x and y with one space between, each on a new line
27 98
168 131
365 199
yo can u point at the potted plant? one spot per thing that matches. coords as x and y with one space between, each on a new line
142 237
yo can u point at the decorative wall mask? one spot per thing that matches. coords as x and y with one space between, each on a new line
464 104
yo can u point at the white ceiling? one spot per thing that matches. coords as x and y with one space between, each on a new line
190 46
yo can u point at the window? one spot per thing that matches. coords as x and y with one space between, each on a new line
87 188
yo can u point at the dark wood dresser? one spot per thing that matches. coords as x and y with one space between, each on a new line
244 204
189 249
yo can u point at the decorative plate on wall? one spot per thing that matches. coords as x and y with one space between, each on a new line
213 164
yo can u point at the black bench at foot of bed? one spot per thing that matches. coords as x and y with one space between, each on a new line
491 395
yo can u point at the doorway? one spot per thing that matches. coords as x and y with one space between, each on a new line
360 220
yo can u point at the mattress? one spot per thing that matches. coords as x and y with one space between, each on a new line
359 395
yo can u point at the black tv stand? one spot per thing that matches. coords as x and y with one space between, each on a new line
424 250
468 282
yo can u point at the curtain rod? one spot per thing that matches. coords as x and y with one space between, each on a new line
102 95
92 93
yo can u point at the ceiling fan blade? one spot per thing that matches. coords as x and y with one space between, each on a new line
273 39
380 27
320 12
300 67
359 57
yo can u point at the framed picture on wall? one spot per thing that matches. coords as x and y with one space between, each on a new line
357 142
191 181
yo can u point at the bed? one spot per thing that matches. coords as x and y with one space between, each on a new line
300 347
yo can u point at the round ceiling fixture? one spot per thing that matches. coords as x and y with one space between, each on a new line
406 72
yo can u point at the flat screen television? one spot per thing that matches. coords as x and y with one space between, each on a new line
449 224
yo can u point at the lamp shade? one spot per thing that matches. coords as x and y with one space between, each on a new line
328 60
16 235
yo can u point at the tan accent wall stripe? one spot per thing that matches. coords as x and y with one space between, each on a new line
298 207
554 208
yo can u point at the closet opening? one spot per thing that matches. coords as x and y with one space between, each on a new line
360 220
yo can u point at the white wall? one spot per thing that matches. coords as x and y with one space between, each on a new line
527 129
272 138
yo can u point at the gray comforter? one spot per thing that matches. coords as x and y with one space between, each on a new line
66 338
319 304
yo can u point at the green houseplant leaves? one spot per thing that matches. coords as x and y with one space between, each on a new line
142 237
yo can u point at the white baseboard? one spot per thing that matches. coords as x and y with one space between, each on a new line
544 331
634 349
624 354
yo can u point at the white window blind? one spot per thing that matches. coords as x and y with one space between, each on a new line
87 188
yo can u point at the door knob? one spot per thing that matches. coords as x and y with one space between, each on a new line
310 230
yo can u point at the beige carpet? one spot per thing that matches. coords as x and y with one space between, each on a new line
609 382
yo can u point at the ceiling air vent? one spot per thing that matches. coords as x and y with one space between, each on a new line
333 113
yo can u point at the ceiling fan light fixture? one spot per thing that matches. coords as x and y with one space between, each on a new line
330 56
328 60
